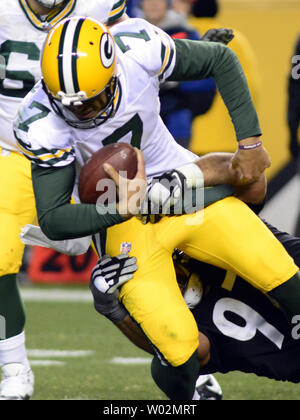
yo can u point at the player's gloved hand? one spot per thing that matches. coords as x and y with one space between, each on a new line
207 388
165 191
222 35
111 273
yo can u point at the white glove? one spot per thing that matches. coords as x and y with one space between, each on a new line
111 273
207 388
166 190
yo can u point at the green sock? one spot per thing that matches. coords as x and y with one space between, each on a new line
11 308
178 383
288 295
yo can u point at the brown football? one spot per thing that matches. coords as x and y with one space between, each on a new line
121 156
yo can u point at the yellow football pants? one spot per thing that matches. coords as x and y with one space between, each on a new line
17 208
230 236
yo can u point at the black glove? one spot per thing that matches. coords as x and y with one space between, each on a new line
110 273
222 35
108 305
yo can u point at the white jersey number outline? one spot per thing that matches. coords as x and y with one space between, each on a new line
16 81
253 322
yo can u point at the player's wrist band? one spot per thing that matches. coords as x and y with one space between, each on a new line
250 146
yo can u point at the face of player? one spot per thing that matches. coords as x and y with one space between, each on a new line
92 112
91 108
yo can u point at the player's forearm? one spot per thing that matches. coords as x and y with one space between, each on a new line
254 193
75 221
199 60
134 334
59 219
217 170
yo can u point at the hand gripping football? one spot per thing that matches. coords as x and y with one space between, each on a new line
121 156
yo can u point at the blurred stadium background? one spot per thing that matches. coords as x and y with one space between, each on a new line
266 34
77 354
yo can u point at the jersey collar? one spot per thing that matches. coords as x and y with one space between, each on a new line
55 16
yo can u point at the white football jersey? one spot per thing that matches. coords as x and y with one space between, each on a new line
22 35
146 55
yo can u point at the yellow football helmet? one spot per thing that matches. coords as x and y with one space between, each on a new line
79 71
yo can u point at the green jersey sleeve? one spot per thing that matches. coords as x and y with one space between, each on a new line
199 60
58 218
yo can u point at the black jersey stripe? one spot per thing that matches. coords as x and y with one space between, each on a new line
168 64
163 53
60 56
75 56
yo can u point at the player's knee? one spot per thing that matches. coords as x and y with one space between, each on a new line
179 350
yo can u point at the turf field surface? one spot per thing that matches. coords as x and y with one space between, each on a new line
78 354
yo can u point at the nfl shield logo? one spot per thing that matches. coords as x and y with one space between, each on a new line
125 247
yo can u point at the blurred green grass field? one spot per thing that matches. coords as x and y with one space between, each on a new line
71 326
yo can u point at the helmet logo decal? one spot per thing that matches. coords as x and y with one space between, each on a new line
107 50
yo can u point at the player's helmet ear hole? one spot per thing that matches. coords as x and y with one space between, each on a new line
91 43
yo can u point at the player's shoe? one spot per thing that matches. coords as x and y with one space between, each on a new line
17 382
207 388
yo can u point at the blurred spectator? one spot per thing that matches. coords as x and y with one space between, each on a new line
180 102
294 104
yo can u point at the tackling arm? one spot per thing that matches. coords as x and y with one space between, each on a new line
133 332
217 169
213 170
